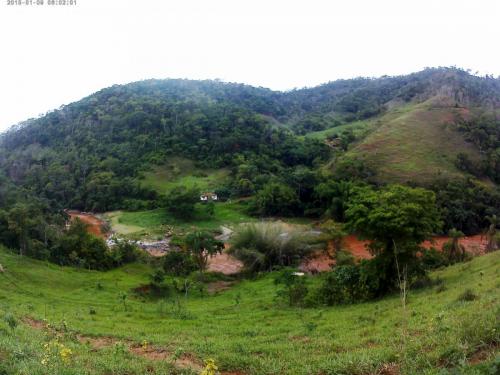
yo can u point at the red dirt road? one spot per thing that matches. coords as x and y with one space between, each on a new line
94 223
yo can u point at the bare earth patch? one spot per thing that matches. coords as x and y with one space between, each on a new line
475 245
219 286
224 263
97 342
94 223
34 323
388 369
484 354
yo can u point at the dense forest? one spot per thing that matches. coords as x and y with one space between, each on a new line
91 154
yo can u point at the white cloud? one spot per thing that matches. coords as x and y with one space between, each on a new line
52 55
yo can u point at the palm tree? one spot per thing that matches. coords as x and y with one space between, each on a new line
491 233
454 250
202 245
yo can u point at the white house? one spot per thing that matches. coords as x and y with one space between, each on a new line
205 197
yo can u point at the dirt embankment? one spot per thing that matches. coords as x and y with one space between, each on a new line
473 244
94 224
323 261
224 263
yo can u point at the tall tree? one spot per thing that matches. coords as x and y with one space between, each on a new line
396 219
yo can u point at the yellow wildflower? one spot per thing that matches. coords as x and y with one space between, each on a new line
210 368
65 354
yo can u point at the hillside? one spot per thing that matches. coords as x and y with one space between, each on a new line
417 142
320 207
121 130
128 148
242 328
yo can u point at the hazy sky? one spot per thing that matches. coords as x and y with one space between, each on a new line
53 55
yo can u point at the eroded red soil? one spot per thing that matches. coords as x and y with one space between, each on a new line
224 263
94 223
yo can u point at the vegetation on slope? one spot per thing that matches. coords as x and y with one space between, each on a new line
443 330
128 147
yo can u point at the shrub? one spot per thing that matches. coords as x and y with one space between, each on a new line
178 263
432 259
263 246
10 320
157 278
124 252
344 258
294 287
342 285
467 296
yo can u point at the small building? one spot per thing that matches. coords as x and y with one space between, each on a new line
206 197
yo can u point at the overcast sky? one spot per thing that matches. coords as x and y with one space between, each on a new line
53 55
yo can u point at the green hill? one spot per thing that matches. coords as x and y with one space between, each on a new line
126 147
427 119
105 325
416 143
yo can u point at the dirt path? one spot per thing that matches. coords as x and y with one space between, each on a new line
144 349
94 223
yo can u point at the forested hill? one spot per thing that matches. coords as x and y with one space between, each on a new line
89 154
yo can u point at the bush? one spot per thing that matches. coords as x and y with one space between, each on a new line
157 287
344 258
294 289
10 320
355 283
263 246
467 296
342 285
432 259
178 263
124 252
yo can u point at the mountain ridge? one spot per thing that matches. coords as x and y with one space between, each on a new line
99 146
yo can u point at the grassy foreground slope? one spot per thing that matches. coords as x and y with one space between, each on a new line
244 329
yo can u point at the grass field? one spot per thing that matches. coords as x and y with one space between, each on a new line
143 223
244 329
414 143
182 172
359 129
